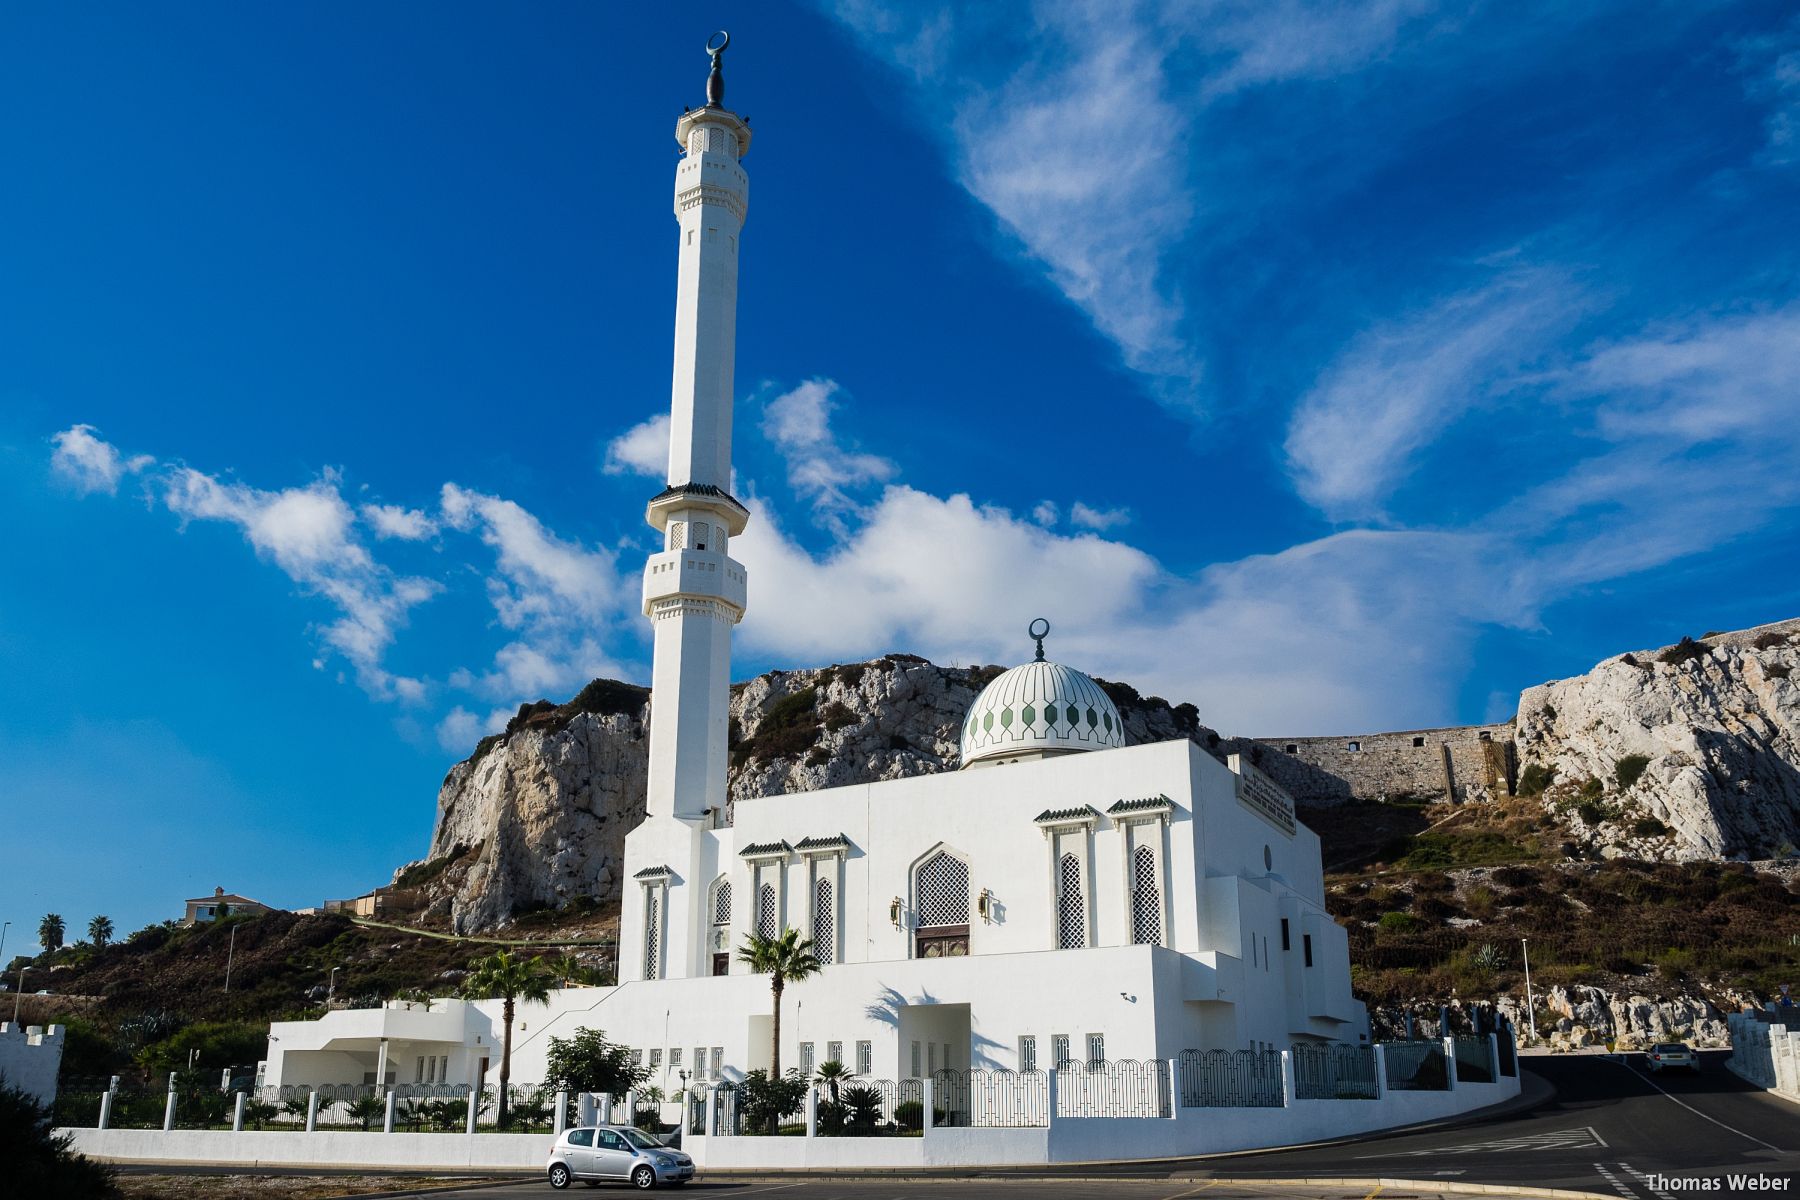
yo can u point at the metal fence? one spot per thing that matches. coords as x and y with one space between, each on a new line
1474 1060
1229 1078
991 1099
1334 1072
1115 1088
1416 1066
1509 1052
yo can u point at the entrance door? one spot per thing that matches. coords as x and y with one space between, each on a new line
721 964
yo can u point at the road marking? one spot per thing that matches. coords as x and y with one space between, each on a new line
1580 1138
1697 1112
1193 1191
1645 1180
780 1187
1373 1194
1618 1185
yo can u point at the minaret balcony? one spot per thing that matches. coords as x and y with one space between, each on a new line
695 574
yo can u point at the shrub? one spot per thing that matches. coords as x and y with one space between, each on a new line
1535 778
587 1062
836 716
1648 827
1592 811
1686 650
422 873
1776 671
1488 957
1768 641
910 1114
1630 769
765 1101
789 727
38 1161
818 756
1592 789
1398 922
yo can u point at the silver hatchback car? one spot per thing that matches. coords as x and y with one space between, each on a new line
596 1154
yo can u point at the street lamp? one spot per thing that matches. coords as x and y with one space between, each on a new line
3 928
20 994
1530 1008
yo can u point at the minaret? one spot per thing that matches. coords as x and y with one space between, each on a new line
693 592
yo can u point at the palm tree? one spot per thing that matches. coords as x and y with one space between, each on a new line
568 970
782 958
100 930
511 979
50 932
831 1076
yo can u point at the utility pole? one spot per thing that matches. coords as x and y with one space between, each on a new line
1530 1008
3 929
230 954
20 994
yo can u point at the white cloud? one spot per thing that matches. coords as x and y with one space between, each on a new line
641 450
1272 41
1402 384
398 522
1772 63
820 467
1098 519
461 729
1046 513
90 463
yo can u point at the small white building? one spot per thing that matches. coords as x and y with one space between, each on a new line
1063 897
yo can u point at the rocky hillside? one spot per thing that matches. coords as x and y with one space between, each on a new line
1688 752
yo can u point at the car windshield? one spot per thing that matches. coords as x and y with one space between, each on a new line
640 1139
1668 1048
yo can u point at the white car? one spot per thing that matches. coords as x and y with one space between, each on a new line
1665 1055
595 1154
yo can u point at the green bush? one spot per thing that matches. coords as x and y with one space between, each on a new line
1592 811
790 727
1649 827
1630 769
1398 922
910 1114
1686 650
38 1161
1535 778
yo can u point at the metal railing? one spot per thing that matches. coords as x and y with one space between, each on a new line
992 1099
1229 1078
1116 1088
1474 1060
1334 1072
1509 1053
1416 1066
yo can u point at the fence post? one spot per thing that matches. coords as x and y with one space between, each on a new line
1173 1092
586 1109
237 1115
812 1112
312 1110
929 1102
169 1108
711 1115
1450 1061
387 1119
631 1098
474 1094
1381 1083
105 1108
603 1108
1288 1086
562 1113
1050 1090
1494 1057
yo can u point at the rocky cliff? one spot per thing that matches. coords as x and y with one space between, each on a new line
1691 751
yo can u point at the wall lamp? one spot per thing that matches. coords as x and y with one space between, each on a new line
894 911
984 904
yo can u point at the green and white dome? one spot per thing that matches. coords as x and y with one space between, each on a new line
1039 709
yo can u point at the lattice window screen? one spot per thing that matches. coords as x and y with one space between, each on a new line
1071 906
824 926
677 535
943 883
722 903
765 910
652 935
1059 1050
1146 899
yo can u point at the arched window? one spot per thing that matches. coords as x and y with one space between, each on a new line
1146 899
765 911
941 888
1071 905
824 923
721 911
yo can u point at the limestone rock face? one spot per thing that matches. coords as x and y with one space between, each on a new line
1716 724
537 818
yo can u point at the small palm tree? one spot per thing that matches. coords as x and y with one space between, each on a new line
368 1108
568 970
782 958
831 1076
511 979
100 930
50 932
295 1108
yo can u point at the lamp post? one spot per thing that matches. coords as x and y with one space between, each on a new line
1530 1008
3 928
20 994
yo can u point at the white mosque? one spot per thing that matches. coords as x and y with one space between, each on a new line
1065 896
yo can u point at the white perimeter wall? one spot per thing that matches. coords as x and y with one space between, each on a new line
30 1057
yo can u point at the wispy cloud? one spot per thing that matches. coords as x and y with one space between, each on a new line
91 464
399 522
641 450
821 468
1771 65
1085 516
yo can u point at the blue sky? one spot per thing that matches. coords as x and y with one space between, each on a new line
1334 367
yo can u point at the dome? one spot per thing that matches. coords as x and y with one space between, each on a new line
1039 709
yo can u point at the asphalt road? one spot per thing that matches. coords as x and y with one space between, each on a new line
1612 1131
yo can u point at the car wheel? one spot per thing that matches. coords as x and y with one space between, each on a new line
559 1176
644 1178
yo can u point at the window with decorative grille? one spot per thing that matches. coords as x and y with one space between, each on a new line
834 1052
1071 906
806 1058
722 903
1027 1053
652 935
699 1061
941 885
865 1058
765 910
824 923
1096 1047
718 1060
656 1060
1146 899
675 1059
1059 1049
916 1062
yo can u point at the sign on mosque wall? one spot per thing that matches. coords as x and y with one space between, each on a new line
1263 796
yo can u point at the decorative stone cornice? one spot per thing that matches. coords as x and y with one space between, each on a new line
1057 818
1147 806
650 874
837 843
766 850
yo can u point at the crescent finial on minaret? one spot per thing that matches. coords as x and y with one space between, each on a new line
715 82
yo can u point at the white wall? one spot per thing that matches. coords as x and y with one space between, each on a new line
30 1058
336 1148
1765 1053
